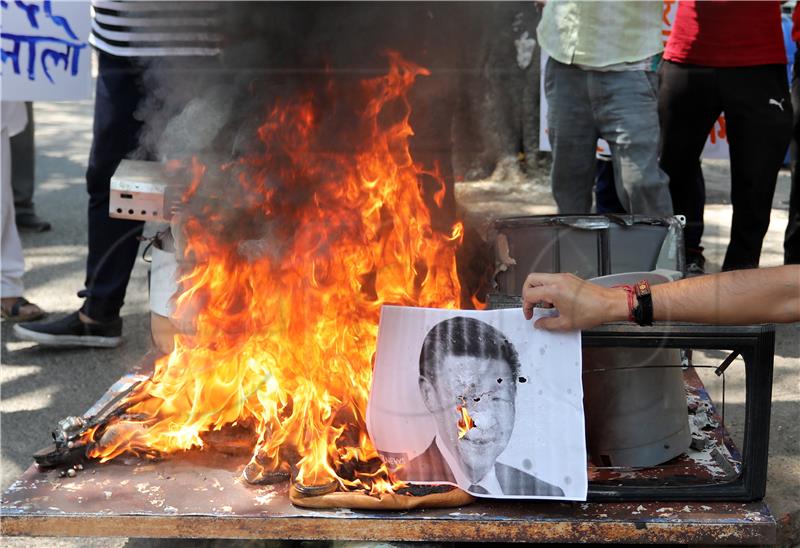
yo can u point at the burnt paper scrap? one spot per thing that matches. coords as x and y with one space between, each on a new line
479 399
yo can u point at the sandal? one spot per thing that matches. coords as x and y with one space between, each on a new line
21 310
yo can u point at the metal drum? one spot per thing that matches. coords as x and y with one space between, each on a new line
634 398
585 245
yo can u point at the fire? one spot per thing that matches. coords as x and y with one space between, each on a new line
286 317
465 422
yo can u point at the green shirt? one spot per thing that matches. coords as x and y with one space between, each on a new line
600 33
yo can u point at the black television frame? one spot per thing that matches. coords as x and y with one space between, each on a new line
756 345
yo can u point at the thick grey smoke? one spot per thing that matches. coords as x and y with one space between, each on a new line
479 105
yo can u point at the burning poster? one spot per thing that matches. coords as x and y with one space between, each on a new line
479 399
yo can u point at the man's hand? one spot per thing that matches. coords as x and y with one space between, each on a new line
758 295
580 304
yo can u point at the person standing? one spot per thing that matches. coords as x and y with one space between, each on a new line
599 82
725 56
126 34
23 177
13 305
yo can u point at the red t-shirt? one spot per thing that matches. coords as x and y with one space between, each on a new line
726 33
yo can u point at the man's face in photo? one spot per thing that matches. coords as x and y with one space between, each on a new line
486 388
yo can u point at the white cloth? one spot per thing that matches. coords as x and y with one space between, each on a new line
13 117
12 264
644 64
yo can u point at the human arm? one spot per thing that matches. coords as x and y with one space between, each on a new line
763 295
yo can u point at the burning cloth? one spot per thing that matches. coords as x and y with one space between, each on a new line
481 400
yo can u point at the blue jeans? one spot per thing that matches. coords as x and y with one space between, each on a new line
620 107
605 191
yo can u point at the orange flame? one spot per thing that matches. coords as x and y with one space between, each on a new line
285 321
465 422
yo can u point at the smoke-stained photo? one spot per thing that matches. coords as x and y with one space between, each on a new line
481 400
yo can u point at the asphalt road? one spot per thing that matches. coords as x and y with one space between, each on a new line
40 386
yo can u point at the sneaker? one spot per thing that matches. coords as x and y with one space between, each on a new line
695 263
71 331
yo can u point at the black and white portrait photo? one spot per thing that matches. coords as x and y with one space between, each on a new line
469 398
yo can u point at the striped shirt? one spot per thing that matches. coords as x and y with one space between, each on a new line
141 28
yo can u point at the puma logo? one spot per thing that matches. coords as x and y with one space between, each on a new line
778 104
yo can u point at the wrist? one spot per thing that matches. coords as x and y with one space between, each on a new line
618 306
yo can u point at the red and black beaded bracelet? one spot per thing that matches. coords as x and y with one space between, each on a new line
630 292
642 313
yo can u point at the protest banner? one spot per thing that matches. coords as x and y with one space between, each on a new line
45 50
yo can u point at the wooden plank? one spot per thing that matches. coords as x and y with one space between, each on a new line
409 529
200 495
